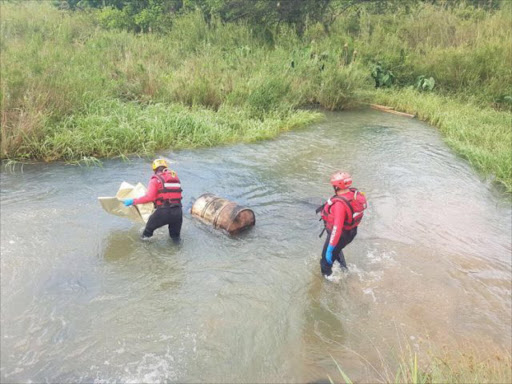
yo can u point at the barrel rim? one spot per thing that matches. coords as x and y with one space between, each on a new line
246 226
209 198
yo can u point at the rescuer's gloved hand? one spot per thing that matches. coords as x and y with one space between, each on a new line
328 254
128 202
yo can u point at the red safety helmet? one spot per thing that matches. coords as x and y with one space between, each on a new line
341 180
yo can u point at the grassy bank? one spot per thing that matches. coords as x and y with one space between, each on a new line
481 135
72 89
434 366
113 128
464 370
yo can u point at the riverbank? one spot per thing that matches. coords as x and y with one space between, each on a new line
483 136
411 366
73 89
112 128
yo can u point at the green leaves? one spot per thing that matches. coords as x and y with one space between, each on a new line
382 76
425 84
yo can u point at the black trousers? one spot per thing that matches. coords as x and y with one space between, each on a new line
337 254
172 216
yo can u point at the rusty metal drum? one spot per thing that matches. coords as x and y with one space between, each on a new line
222 213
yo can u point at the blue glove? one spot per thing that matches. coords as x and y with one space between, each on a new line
328 254
128 202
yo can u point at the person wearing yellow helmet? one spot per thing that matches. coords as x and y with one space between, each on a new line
159 163
164 190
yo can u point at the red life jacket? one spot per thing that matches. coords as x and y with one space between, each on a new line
355 204
169 188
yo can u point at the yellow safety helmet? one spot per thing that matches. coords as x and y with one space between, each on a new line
159 163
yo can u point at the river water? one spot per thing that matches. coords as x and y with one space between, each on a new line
84 299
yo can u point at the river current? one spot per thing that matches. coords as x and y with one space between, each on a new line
83 299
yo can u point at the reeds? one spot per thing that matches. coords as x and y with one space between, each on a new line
66 95
433 365
483 136
464 369
71 89
116 128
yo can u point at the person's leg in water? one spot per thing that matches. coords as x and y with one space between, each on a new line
175 222
325 267
341 258
345 239
156 220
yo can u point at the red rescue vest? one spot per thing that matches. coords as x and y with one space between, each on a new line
356 206
169 188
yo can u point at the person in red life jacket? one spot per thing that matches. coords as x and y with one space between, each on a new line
164 190
342 213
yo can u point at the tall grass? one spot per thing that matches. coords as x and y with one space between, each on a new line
70 88
61 73
469 367
468 51
481 135
419 360
115 128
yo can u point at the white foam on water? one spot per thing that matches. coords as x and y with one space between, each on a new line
102 381
365 276
158 368
369 291
152 369
376 257
338 274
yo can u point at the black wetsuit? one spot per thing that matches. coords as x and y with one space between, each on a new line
170 215
337 254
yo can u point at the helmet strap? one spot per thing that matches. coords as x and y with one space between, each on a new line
342 190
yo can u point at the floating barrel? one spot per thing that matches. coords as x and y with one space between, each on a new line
222 213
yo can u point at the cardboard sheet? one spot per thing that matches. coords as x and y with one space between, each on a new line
114 205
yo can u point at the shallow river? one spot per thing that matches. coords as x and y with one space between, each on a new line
84 299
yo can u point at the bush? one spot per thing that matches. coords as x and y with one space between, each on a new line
425 84
113 18
267 95
339 87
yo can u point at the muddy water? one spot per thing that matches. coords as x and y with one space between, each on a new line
83 299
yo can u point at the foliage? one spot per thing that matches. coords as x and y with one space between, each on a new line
266 13
131 15
56 65
114 128
338 86
113 18
425 84
145 15
504 99
383 77
481 135
438 367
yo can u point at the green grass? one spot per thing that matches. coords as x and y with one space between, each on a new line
468 51
114 128
72 90
470 367
481 135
